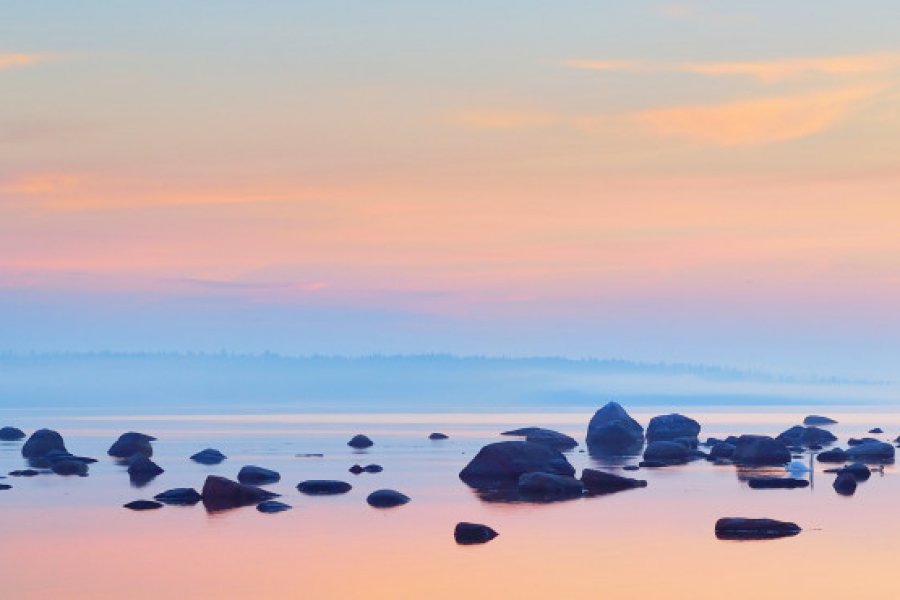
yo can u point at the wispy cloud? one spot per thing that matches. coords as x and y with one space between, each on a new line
506 119
759 121
21 59
39 184
768 71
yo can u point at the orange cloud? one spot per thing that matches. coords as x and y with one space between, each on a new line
759 121
506 119
44 183
13 60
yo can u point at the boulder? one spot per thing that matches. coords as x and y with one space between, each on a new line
179 496
722 450
473 533
272 506
818 420
760 450
323 487
551 438
253 475
771 483
601 482
740 528
612 430
209 456
667 428
132 443
386 499
438 436
356 469
220 493
11 434
141 468
69 467
547 486
806 436
871 451
143 505
845 484
507 461
859 471
835 455
360 441
669 453
41 442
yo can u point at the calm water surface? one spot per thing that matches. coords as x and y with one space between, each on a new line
68 537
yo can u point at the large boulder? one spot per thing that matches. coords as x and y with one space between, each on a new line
871 451
668 428
760 450
221 493
473 533
739 528
806 436
11 434
670 453
253 475
507 461
818 420
41 442
208 456
601 482
132 443
386 499
548 486
612 430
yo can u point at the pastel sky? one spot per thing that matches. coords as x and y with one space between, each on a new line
686 181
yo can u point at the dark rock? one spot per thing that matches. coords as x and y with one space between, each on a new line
601 482
272 506
24 473
141 469
818 420
356 469
179 496
871 451
253 475
438 436
209 456
143 505
738 528
132 443
631 468
547 486
806 436
711 441
473 533
670 453
653 464
521 431
722 450
845 484
373 468
386 499
41 442
323 487
507 461
835 455
612 430
11 434
771 483
667 428
760 450
691 443
5 486
360 441
69 467
859 471
220 493
551 438
876 430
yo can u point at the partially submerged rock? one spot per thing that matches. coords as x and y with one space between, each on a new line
845 484
722 450
221 493
760 450
143 505
505 462
835 455
613 431
323 487
739 528
5 486
41 442
548 486
142 470
871 451
208 456
179 496
11 434
473 533
386 499
806 436
876 430
601 482
771 483
132 443
818 420
253 475
668 428
24 473
438 436
360 441
272 506
668 453
69 467
551 438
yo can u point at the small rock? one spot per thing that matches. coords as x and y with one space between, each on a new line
253 475
323 487
5 486
473 533
24 473
722 450
548 486
835 455
143 505
360 441
141 469
221 493
356 469
438 436
132 443
818 420
601 482
771 483
876 430
11 434
386 499
845 484
554 439
179 496
69 467
209 456
272 506
739 528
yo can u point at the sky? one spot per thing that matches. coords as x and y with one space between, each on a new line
696 181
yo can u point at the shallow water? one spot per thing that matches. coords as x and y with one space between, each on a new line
68 537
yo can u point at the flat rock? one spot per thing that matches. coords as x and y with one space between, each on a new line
521 431
760 450
601 482
551 438
360 441
739 528
507 461
438 436
818 420
179 496
473 533
323 487
549 486
132 443
386 499
272 506
876 430
24 473
613 431
5 486
771 483
806 436
143 505
667 428
11 434
253 475
209 456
